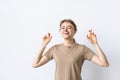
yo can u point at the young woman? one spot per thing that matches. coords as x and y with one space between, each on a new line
69 56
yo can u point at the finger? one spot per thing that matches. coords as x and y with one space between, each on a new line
48 34
90 30
44 37
94 34
88 37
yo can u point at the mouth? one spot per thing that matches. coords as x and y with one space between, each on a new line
65 33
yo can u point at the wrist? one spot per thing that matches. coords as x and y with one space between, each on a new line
95 44
43 45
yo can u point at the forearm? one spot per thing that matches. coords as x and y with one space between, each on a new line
39 55
101 55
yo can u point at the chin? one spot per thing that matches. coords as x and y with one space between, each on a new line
65 36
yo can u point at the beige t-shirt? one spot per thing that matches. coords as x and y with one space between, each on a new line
69 60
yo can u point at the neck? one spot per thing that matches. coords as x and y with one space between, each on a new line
69 42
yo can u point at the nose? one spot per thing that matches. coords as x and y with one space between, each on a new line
65 29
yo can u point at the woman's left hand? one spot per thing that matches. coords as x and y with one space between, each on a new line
92 37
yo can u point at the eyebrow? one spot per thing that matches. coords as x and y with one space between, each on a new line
67 26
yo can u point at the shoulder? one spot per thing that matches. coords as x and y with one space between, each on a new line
56 45
81 45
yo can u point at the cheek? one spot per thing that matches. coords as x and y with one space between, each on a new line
61 32
72 31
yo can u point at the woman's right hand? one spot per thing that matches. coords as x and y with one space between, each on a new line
46 39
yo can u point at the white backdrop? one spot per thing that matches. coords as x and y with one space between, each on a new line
24 22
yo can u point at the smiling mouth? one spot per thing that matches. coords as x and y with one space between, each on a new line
65 33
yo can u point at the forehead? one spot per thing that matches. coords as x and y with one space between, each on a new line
67 24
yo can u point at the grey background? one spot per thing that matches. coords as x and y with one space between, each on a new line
24 22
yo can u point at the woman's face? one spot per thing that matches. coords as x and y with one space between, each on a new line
67 30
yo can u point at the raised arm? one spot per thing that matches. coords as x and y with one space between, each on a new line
100 57
39 60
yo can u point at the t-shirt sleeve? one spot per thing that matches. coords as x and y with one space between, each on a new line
88 53
49 53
